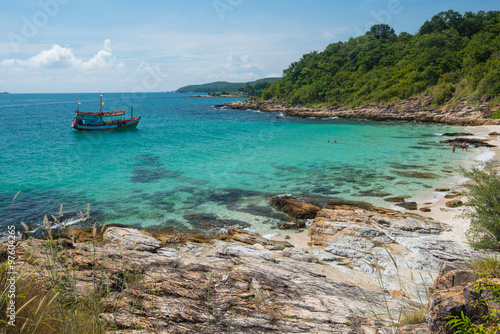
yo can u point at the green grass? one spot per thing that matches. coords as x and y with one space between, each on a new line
487 266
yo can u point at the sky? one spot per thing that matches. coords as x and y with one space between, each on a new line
73 46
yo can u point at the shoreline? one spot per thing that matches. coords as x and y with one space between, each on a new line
415 109
307 284
437 203
472 118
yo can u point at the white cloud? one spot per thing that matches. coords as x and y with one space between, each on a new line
274 75
61 57
57 57
146 68
103 59
240 63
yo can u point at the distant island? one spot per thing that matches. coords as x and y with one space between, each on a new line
226 88
222 94
4 93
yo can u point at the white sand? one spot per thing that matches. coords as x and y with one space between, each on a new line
439 211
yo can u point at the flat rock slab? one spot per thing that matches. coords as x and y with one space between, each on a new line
201 288
382 242
129 238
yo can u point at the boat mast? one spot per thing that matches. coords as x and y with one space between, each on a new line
100 100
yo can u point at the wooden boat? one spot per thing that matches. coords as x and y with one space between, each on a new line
103 120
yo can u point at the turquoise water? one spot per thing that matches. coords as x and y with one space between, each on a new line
188 163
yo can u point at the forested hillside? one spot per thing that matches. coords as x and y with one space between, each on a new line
452 57
221 86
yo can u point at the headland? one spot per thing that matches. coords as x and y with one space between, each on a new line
415 109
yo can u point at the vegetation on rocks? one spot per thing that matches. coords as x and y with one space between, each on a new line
452 57
487 293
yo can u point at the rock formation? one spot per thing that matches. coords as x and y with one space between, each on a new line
414 109
361 260
216 286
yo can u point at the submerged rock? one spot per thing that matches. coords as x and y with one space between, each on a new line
469 141
414 174
148 175
372 194
408 205
211 222
398 199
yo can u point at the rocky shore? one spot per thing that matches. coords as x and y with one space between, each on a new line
220 95
343 267
415 109
362 270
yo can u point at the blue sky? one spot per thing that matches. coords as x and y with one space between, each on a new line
59 46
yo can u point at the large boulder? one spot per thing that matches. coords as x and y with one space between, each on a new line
294 208
461 297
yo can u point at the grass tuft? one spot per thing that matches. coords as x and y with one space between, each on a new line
487 266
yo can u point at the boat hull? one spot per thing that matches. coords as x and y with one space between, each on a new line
129 124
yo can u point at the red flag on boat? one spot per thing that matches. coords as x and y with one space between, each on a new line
79 102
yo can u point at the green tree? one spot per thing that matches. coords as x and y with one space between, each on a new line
381 31
483 205
453 57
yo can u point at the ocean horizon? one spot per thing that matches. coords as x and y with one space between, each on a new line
191 165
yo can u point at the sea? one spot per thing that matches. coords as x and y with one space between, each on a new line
190 164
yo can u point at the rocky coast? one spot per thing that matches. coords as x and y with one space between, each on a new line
356 269
342 267
415 109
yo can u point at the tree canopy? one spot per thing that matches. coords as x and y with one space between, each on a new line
453 56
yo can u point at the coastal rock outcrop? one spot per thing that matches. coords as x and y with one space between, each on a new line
210 287
176 281
382 242
293 207
454 293
129 238
414 109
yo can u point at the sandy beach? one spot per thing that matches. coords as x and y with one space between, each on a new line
436 203
439 211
